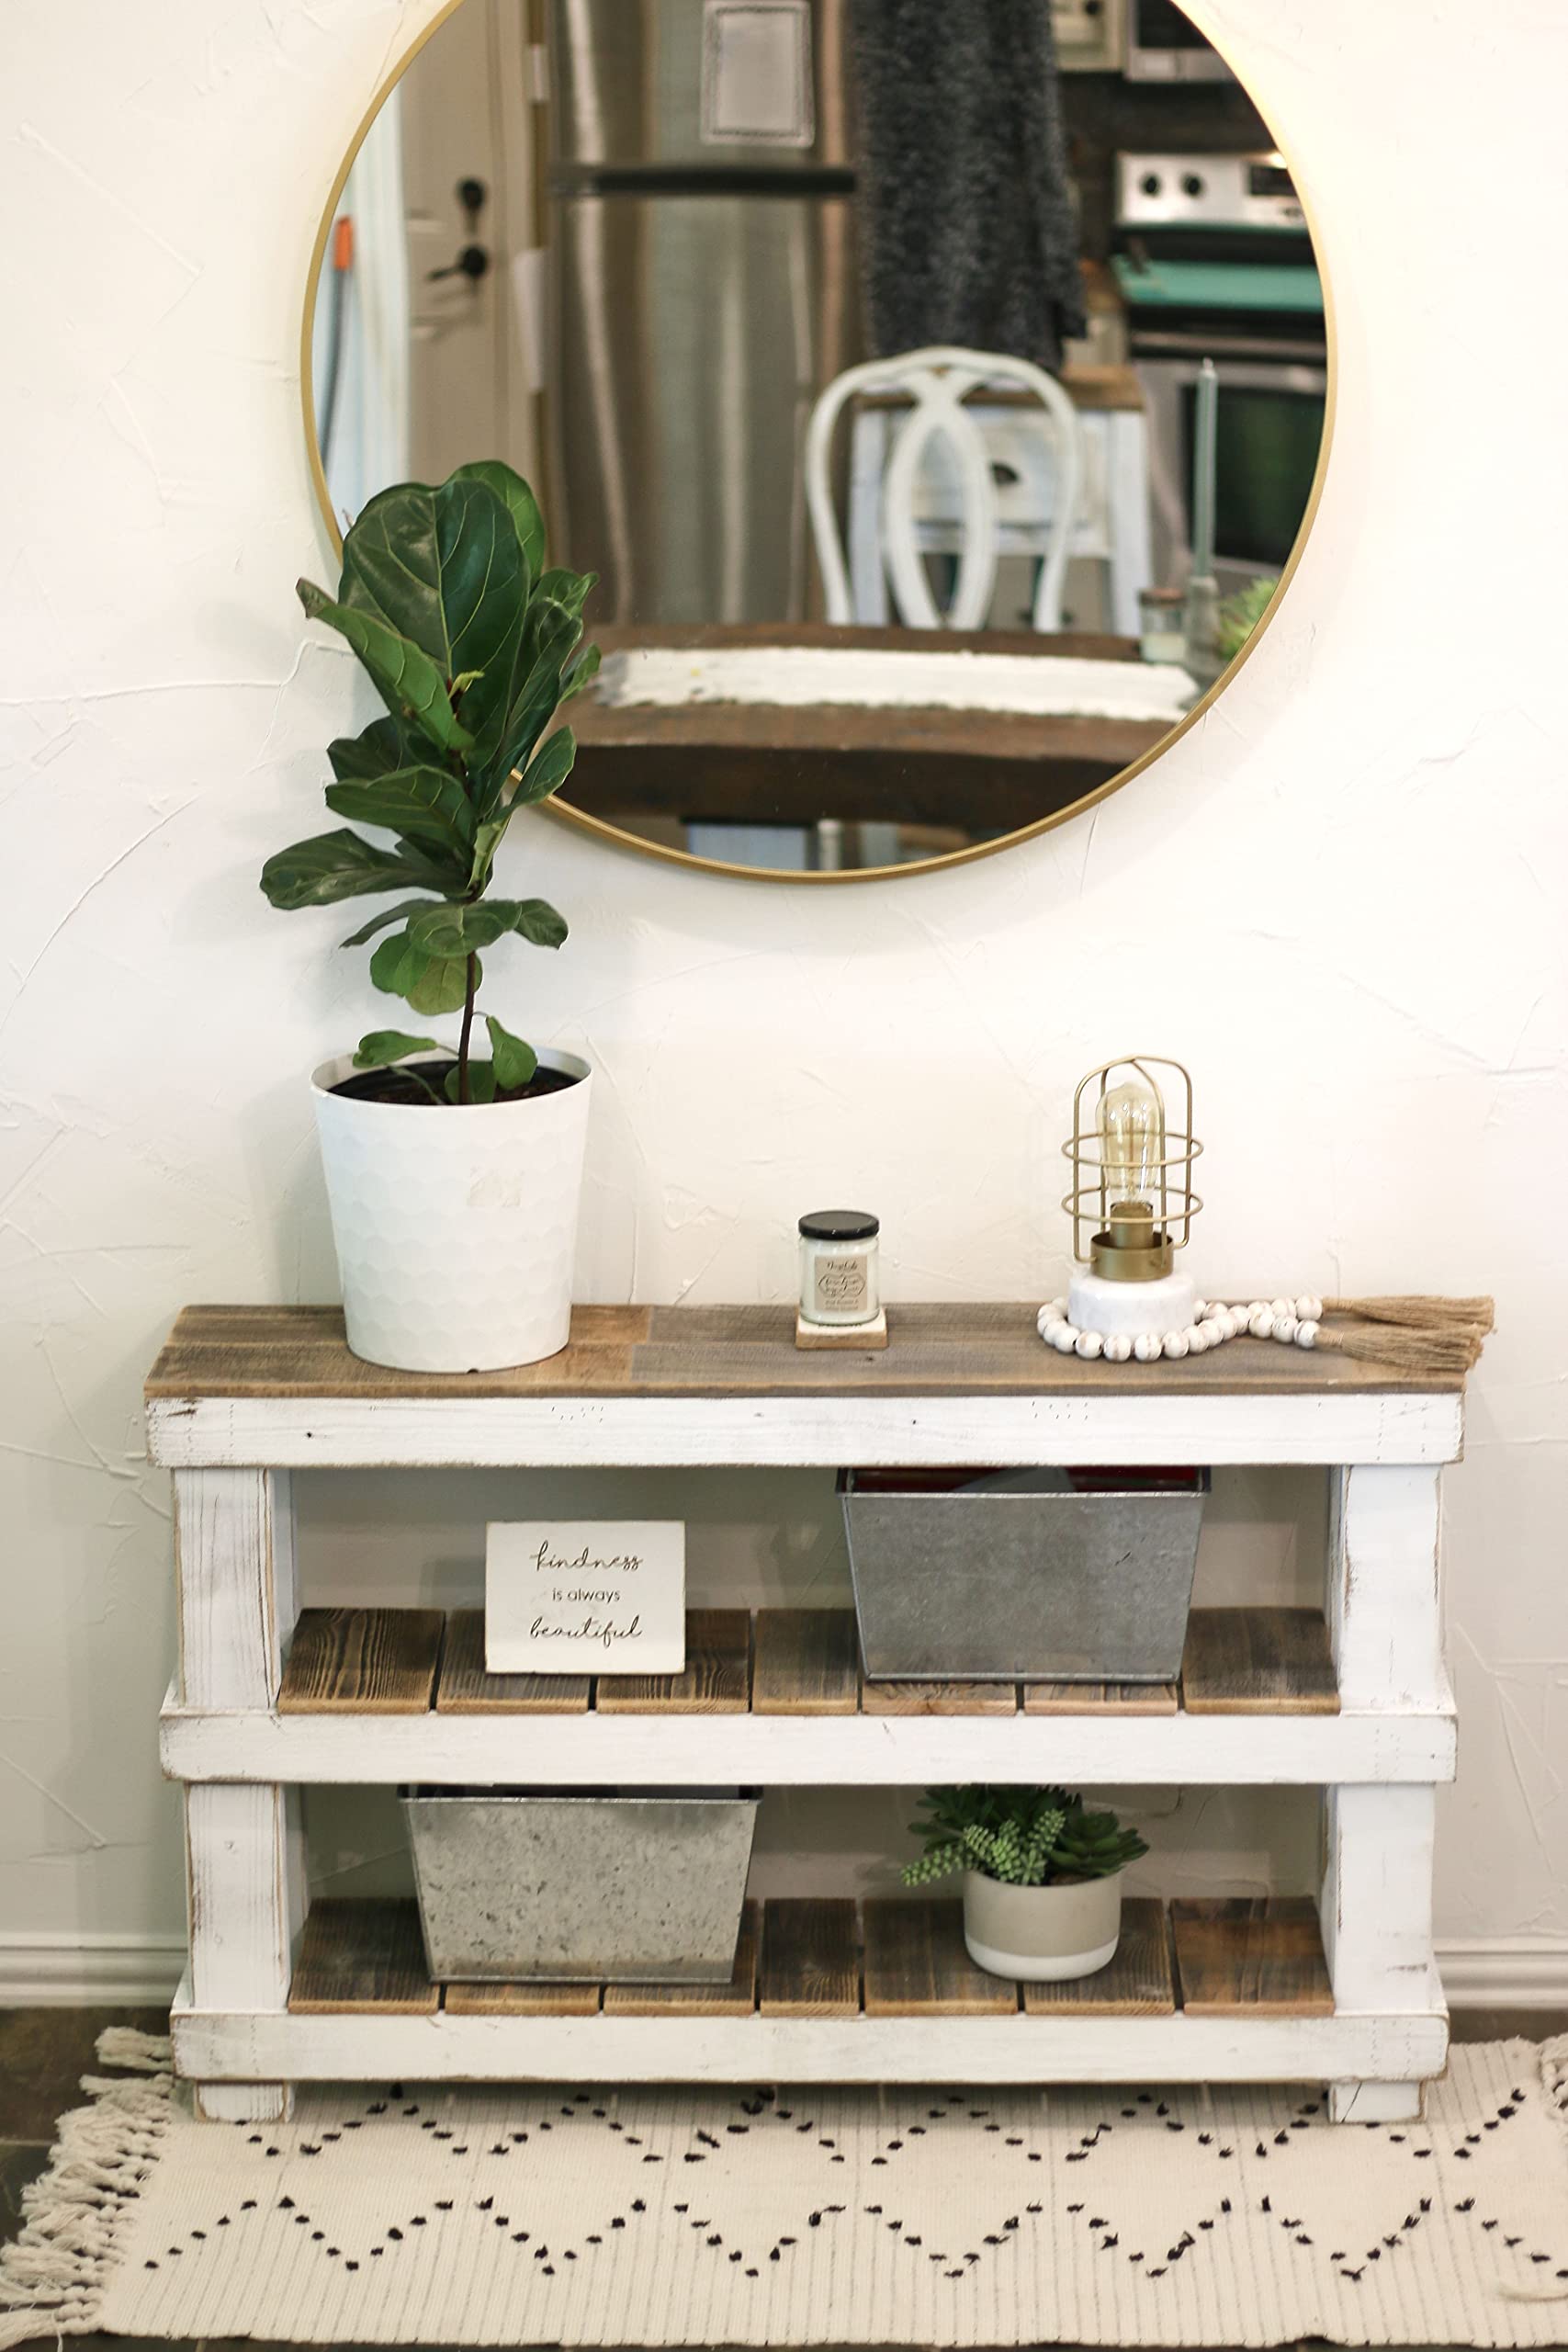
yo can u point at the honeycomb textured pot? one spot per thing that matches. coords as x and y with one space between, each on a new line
456 1229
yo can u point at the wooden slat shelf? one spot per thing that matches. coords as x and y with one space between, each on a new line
830 1959
780 1698
716 1679
362 1662
981 1349
956 1384
784 1662
467 1686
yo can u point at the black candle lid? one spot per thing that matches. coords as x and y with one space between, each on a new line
839 1224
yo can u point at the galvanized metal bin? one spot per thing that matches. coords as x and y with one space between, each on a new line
1076 1575
621 1890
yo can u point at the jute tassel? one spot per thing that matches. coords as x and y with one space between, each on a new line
1429 1351
1418 1314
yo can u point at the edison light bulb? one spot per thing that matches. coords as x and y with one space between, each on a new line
1131 1120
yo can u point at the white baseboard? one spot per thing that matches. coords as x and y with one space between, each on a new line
1514 1972
133 1972
85 1971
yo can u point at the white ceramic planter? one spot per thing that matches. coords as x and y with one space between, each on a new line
1042 1934
456 1229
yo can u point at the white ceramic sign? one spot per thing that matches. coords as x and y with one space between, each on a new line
585 1596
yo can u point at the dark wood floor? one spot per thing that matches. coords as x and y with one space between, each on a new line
45 2052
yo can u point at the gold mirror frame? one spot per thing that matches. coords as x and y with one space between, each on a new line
617 834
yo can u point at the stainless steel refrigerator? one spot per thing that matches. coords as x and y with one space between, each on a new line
702 292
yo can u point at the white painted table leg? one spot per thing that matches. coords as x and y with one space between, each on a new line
234 1554
246 1908
234 1567
1384 1615
1385 1626
1374 2102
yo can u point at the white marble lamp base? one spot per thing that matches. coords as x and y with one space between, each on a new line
1127 1308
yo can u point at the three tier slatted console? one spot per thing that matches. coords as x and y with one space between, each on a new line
269 1699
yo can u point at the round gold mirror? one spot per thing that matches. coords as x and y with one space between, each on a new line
942 420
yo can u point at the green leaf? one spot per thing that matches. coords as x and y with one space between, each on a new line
580 672
551 634
547 771
425 804
571 588
486 838
383 1045
482 1083
399 913
459 930
408 681
537 921
519 502
330 867
446 570
515 1062
429 983
442 987
384 746
443 567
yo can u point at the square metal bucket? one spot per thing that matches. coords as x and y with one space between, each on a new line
621 1890
1087 1578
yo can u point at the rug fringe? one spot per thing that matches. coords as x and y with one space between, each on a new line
60 2266
137 2052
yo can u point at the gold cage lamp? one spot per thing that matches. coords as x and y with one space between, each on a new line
1131 1201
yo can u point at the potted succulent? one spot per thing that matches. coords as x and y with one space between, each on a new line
1041 1877
453 1175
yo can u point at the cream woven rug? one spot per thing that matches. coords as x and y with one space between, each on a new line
574 2216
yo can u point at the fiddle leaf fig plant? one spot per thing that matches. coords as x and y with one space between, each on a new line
475 646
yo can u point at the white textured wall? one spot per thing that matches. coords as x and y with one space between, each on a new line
1339 898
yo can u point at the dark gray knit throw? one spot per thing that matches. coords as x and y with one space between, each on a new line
967 233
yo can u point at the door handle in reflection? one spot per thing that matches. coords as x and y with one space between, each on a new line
471 264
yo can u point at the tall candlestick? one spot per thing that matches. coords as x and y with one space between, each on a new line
1204 424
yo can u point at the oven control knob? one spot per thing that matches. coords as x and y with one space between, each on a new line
1150 182
1192 184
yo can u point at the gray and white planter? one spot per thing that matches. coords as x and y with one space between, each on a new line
456 1228
1042 1934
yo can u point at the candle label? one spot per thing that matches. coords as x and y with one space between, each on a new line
585 1596
841 1285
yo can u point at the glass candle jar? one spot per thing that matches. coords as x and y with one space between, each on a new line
1162 625
839 1276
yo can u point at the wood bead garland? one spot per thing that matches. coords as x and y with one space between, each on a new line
1418 1336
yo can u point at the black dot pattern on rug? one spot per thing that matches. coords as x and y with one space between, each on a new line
1212 2179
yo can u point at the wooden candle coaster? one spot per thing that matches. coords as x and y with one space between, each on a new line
841 1335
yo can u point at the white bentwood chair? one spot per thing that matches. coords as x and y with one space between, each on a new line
889 548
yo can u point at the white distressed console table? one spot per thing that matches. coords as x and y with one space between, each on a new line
269 1699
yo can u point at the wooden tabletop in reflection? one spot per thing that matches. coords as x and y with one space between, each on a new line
985 771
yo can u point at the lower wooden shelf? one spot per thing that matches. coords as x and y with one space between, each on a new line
1230 1991
894 1956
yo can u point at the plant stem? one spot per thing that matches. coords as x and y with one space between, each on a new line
463 1095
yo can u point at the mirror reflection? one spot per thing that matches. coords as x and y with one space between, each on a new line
937 393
